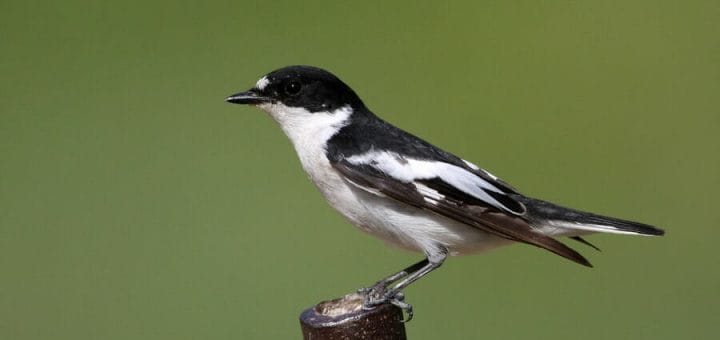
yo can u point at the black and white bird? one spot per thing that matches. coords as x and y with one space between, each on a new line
405 190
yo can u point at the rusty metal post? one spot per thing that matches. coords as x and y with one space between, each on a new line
345 319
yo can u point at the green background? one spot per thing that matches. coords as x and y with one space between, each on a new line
136 204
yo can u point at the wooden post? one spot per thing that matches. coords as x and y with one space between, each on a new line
345 319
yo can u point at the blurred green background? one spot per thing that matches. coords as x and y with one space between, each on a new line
136 204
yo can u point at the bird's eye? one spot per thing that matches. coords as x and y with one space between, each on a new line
292 88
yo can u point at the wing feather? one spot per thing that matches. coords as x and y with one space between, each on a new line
396 182
448 176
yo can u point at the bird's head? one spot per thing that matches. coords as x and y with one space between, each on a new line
309 103
299 88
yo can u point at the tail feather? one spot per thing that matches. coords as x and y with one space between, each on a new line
585 242
542 212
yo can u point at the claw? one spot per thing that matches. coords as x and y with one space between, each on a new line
398 299
374 296
378 295
372 299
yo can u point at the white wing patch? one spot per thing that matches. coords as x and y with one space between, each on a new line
430 195
477 168
262 83
408 170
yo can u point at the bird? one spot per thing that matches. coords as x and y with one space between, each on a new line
406 191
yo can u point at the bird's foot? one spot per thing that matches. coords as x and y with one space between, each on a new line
380 294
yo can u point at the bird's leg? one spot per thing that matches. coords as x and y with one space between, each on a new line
433 262
380 293
378 289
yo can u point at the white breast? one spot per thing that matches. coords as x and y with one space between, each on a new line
397 223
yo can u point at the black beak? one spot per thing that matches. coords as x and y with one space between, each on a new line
250 97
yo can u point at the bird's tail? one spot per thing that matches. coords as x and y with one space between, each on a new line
550 215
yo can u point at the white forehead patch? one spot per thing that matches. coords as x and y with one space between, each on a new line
260 85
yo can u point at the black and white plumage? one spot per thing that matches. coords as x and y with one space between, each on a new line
403 189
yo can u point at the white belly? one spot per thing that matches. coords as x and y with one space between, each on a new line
397 223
